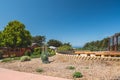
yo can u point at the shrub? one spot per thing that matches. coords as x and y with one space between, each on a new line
7 60
64 48
35 56
27 53
25 58
16 58
86 67
71 67
39 70
77 75
1 54
51 52
36 53
44 57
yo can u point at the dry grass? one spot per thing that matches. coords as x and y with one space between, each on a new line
91 69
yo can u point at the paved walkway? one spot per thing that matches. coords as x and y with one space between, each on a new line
6 74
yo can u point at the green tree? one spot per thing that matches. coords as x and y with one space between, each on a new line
68 44
1 38
64 48
15 35
97 45
54 42
38 39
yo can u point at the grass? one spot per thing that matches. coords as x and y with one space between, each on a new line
7 60
70 67
86 67
39 70
35 56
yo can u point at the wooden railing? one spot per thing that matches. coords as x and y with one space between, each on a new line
98 53
67 57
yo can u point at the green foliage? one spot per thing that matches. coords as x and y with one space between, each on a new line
36 53
14 35
16 58
1 54
35 56
77 75
38 39
37 50
7 60
86 67
44 57
97 45
51 52
1 38
27 53
71 67
25 58
10 59
39 70
64 48
55 43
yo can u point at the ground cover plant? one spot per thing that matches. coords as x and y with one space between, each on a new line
77 75
70 67
39 70
25 58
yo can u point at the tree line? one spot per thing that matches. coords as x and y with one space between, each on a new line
99 45
15 35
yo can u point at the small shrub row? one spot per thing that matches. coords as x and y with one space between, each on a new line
25 58
7 60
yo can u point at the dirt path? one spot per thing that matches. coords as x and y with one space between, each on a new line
6 74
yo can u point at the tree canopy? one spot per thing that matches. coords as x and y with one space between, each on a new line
15 35
38 39
53 42
97 45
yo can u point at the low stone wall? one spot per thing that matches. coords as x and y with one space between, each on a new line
79 57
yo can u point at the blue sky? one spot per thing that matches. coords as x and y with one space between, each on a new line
74 21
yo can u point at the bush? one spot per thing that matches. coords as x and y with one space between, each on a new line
7 60
27 53
51 52
77 75
16 58
39 70
65 48
86 67
25 58
71 67
1 54
36 53
44 57
35 56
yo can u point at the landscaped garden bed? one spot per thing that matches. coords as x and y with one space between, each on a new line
62 67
